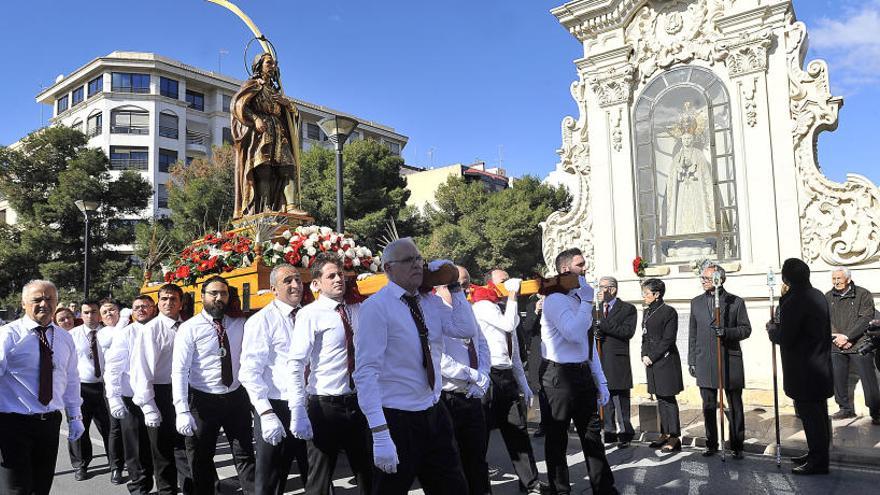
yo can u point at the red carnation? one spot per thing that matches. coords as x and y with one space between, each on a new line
182 271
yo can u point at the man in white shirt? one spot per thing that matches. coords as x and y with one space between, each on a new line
397 376
325 410
573 385
207 393
150 377
510 395
38 377
111 317
264 374
464 367
117 387
91 340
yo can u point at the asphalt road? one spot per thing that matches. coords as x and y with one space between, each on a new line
637 469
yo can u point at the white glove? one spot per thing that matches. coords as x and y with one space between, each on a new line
75 429
475 392
513 284
604 395
117 407
585 292
186 424
436 264
300 426
529 395
483 382
271 429
152 418
384 452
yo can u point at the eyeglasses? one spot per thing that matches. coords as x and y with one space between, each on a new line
706 279
412 260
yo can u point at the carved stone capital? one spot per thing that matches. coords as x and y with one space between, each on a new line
748 54
613 87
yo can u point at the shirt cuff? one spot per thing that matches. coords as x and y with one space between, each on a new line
262 405
73 412
150 407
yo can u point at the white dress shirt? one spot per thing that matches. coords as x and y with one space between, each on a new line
565 324
455 362
150 359
82 340
496 326
388 369
319 343
20 370
117 382
264 372
197 362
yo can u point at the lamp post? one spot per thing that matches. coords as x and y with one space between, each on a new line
338 128
86 207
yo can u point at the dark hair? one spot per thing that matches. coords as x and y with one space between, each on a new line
795 272
91 302
655 285
60 309
172 288
565 258
143 297
487 277
321 259
108 300
211 280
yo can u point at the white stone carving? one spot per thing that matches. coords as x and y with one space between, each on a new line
616 131
840 222
750 108
747 54
613 86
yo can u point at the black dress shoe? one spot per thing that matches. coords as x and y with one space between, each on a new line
539 488
673 445
116 476
656 444
80 474
800 459
843 415
809 468
709 452
623 444
737 454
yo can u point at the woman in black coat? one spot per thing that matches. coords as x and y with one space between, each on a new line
662 361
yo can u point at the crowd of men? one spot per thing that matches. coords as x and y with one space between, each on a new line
409 382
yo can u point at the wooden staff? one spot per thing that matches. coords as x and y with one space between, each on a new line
598 342
716 281
771 282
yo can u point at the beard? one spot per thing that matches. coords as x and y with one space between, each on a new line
216 310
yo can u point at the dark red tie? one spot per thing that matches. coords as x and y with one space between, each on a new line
472 355
349 342
508 337
45 390
225 354
606 310
419 318
93 343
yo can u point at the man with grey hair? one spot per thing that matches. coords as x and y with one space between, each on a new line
397 374
703 339
263 374
852 308
38 378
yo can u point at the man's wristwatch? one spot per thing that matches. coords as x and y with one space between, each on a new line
377 429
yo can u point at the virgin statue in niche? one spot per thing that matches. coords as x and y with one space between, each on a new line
690 201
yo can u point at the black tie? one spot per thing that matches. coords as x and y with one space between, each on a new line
225 354
349 343
93 344
418 317
472 355
45 390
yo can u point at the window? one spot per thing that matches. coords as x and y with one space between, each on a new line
227 135
167 158
94 125
162 196
96 85
684 169
195 100
77 126
313 132
77 95
393 147
130 83
129 122
61 104
168 87
168 125
354 136
128 158
227 103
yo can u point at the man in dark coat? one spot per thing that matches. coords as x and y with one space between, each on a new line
852 308
616 325
802 333
703 358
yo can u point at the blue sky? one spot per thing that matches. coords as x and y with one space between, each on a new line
464 79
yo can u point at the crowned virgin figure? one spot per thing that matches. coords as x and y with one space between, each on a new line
690 201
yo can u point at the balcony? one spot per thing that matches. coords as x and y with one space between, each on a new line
168 132
128 164
94 131
131 89
198 140
129 130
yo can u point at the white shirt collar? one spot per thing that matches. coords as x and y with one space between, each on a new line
167 320
327 303
283 307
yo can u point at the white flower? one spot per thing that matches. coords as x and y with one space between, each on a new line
165 269
305 261
341 253
326 244
350 253
374 266
334 238
313 237
310 251
326 230
287 234
217 252
355 262
366 252
278 247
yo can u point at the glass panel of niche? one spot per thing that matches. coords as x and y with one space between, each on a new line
685 181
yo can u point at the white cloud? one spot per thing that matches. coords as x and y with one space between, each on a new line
851 46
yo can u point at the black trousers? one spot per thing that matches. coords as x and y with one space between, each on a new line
569 394
170 464
618 422
817 429
670 424
469 423
426 449
733 414
507 412
136 443
94 409
273 461
863 366
116 455
338 424
232 412
28 451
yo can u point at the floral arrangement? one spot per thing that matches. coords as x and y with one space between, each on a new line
215 253
639 265
698 265
300 246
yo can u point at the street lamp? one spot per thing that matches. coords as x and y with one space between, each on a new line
338 128
86 207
